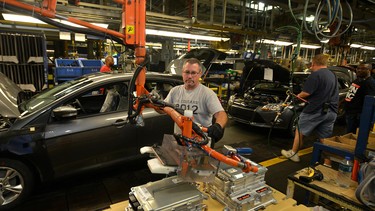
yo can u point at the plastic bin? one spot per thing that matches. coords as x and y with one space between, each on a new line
67 68
91 66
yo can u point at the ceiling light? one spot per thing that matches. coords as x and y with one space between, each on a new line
368 48
184 35
274 42
355 45
324 40
21 18
308 46
29 19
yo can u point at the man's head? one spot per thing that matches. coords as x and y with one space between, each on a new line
319 61
109 61
363 70
191 72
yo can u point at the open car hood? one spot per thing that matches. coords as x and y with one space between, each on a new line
258 70
206 55
8 97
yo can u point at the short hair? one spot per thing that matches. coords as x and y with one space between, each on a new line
320 59
109 60
193 61
365 65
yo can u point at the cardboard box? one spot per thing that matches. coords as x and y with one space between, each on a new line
341 143
348 142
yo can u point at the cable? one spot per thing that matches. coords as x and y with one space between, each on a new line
334 19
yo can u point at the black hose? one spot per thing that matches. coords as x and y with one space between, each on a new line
131 89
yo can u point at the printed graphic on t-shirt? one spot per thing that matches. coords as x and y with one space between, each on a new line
352 91
193 108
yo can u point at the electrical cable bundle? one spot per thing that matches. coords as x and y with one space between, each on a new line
334 19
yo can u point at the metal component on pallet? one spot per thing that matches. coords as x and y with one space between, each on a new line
170 193
241 191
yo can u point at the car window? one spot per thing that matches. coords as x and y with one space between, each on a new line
104 99
44 98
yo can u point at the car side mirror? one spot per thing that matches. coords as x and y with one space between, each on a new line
65 112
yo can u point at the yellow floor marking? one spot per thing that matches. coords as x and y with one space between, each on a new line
280 159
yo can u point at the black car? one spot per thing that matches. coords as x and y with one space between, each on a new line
213 61
77 126
266 96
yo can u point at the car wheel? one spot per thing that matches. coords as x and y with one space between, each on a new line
16 183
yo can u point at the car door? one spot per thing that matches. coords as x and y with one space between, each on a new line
92 139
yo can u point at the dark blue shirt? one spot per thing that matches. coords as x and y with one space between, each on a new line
322 87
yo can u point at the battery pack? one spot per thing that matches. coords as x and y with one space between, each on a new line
240 191
170 193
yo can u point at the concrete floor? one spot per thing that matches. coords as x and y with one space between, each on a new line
97 191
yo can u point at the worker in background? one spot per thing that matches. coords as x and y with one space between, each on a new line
204 103
319 114
107 67
362 86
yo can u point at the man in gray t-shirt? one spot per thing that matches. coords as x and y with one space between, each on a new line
200 99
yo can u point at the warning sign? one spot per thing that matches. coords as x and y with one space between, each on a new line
129 29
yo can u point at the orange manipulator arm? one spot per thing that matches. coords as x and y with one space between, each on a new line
134 26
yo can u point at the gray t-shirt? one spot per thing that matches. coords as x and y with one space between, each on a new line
202 101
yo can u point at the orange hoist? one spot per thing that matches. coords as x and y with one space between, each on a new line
134 36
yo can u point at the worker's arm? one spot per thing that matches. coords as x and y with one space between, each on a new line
303 95
221 118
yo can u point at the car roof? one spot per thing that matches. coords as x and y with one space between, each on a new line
99 76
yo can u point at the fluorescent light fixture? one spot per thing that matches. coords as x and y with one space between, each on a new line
260 6
154 44
355 45
273 42
21 18
184 35
308 46
324 41
368 48
29 19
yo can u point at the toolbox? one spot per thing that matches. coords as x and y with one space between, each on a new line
170 193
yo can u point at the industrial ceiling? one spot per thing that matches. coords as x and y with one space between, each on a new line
240 20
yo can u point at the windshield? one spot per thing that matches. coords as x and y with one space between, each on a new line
48 96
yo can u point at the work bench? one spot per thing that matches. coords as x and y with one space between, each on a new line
327 188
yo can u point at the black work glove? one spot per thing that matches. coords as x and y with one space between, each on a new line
216 132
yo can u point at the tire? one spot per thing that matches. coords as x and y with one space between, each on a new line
16 183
